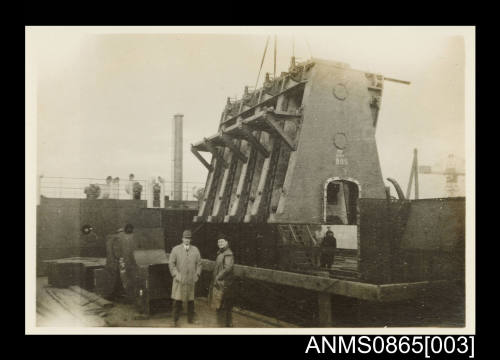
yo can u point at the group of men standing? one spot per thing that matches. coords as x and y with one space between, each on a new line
185 268
111 189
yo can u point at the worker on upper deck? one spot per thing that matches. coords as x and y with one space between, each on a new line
106 193
129 186
115 188
328 247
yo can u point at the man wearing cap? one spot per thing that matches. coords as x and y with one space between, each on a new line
222 281
328 247
185 267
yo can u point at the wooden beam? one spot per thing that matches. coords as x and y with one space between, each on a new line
199 157
280 132
397 81
235 150
359 290
215 152
325 309
258 115
283 82
263 188
309 282
405 291
210 188
285 114
225 186
410 182
332 286
239 206
261 102
415 171
253 141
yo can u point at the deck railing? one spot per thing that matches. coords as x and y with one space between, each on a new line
68 187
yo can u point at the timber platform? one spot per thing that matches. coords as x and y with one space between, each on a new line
339 302
68 307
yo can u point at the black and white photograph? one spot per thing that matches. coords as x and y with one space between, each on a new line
250 179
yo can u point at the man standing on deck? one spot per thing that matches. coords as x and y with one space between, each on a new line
129 186
328 247
185 268
221 291
126 260
107 188
115 188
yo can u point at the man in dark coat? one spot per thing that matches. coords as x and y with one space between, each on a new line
328 247
222 280
127 264
121 268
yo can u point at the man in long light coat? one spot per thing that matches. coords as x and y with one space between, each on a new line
185 267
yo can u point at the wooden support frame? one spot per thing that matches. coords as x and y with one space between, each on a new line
258 115
266 121
235 150
263 102
265 183
254 142
216 153
210 188
285 114
271 122
325 287
260 96
283 83
333 286
201 158
325 309
413 175
226 185
279 103
244 182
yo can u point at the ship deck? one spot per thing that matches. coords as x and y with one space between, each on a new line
62 307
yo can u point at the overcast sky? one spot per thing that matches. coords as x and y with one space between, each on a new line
105 102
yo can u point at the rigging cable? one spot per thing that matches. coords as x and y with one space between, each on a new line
261 63
275 46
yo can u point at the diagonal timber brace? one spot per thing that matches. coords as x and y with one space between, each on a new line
201 158
216 153
254 142
290 85
273 124
228 142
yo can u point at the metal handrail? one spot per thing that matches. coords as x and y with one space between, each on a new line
72 187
